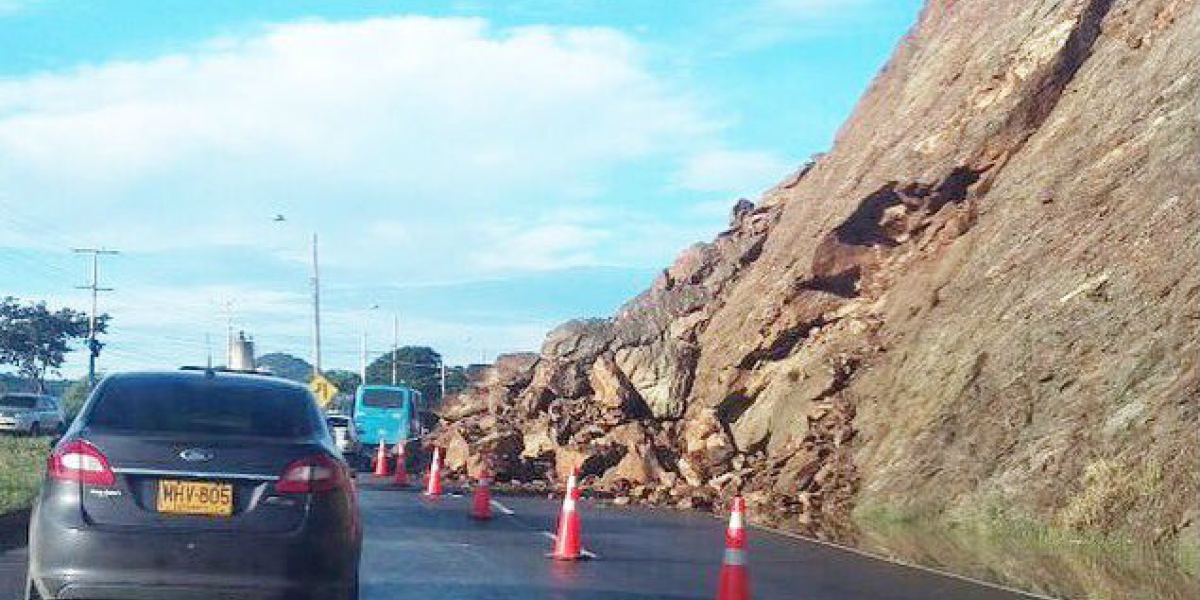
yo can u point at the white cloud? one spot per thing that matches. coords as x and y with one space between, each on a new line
424 124
421 149
8 7
731 171
763 23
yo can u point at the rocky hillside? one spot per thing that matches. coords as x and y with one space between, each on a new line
982 299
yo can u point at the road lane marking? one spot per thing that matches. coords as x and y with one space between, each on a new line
903 563
582 551
502 508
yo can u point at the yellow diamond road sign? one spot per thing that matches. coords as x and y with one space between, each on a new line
323 389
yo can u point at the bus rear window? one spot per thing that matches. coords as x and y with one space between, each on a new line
383 399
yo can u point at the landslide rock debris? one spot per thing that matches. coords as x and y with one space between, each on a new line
984 295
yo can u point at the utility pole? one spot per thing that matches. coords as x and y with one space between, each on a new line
316 292
94 286
395 349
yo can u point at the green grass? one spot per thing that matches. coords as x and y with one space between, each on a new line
993 521
22 463
994 541
1188 555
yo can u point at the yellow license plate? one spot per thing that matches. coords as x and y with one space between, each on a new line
195 498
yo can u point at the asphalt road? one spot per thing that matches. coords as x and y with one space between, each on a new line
431 550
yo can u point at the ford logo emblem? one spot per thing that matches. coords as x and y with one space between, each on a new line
196 455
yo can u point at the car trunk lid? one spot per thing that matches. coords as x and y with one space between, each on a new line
147 466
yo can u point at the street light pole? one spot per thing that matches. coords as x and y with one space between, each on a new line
395 349
316 296
363 372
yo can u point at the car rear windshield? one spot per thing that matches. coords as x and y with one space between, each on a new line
203 407
17 401
383 398
338 421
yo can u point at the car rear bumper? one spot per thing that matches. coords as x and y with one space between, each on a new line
14 427
94 563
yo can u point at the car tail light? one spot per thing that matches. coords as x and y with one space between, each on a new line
82 462
318 473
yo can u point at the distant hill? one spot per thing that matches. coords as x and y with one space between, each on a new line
286 366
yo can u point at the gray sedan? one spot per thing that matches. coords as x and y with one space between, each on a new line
31 414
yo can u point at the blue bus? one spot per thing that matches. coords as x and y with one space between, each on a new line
385 412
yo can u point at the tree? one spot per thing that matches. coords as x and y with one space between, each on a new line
286 366
36 340
75 396
417 366
345 381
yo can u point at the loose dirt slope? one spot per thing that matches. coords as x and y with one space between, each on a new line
983 298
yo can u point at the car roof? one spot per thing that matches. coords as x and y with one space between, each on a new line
239 380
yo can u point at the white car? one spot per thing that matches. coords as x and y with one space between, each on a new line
344 435
31 414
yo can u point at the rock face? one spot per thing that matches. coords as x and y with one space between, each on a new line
985 295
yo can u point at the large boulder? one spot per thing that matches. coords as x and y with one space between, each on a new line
639 466
562 378
612 389
661 374
514 371
456 450
590 459
538 442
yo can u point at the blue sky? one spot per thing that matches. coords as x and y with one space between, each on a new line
485 170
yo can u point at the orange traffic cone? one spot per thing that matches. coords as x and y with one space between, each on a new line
381 462
401 477
567 544
434 485
481 505
735 581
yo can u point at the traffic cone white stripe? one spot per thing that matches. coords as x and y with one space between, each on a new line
737 521
735 557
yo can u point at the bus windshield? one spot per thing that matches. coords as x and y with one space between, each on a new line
383 398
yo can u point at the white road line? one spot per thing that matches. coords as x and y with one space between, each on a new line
502 508
903 563
583 551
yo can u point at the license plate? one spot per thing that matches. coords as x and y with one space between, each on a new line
195 498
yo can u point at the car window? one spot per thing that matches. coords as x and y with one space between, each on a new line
203 407
338 421
26 402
